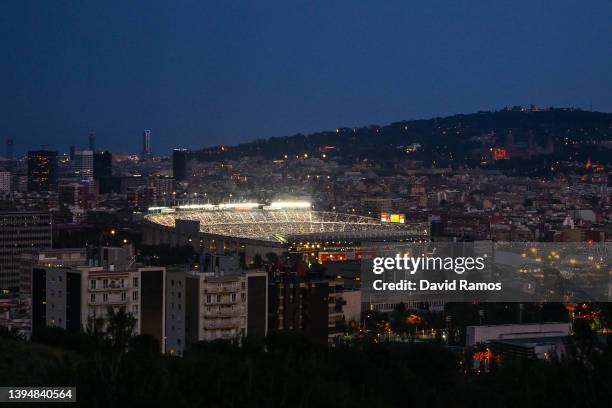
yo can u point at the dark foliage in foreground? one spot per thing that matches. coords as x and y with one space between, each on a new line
296 373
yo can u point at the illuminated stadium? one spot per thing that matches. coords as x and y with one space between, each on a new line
257 228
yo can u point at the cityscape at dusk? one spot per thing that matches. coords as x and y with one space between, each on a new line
306 204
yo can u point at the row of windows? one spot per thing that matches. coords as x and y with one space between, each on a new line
93 283
94 298
219 298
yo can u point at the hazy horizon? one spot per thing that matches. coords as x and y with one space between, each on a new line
137 150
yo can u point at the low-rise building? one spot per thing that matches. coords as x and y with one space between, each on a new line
485 334
56 258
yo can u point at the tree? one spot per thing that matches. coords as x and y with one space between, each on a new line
272 258
399 319
113 335
119 328
11 333
144 345
257 262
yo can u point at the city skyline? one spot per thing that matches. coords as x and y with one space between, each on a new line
147 137
118 69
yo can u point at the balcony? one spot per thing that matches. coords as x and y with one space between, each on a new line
109 302
223 289
224 313
221 324
222 302
110 288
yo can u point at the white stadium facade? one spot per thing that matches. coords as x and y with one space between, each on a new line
253 228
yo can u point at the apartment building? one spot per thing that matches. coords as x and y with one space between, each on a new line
312 307
56 258
209 306
72 298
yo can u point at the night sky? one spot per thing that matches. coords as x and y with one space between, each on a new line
200 73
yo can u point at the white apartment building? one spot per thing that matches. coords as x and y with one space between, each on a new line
206 306
72 298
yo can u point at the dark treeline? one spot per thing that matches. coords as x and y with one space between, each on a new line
571 130
111 369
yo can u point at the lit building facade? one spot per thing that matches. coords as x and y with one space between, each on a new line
42 170
208 306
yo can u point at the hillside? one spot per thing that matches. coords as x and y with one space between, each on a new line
444 139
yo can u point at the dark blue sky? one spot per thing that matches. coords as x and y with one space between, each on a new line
199 73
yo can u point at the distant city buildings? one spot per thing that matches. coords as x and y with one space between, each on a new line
77 198
5 182
141 197
20 231
102 164
338 208
120 184
163 188
84 164
42 170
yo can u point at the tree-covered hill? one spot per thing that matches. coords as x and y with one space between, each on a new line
445 139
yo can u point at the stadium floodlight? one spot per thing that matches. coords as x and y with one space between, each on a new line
156 208
289 204
240 206
196 207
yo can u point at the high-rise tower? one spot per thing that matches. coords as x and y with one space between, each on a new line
179 164
102 164
146 145
42 170
84 164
